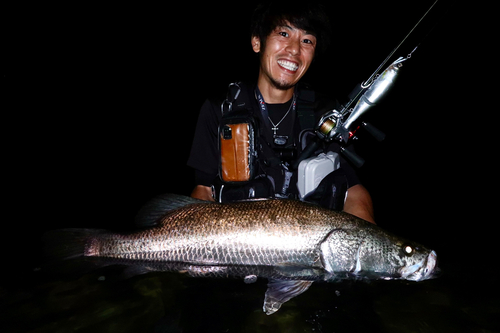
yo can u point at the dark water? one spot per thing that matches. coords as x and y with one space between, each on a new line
94 138
100 301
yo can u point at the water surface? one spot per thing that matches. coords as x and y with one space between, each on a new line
101 301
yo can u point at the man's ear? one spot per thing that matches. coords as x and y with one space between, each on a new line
256 44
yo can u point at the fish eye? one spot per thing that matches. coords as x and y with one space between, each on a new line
408 249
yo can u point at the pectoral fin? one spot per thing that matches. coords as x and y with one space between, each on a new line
279 292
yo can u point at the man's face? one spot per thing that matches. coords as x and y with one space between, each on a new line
287 55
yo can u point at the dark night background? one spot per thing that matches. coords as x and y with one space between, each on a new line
103 102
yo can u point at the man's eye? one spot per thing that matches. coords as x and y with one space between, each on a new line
309 41
284 34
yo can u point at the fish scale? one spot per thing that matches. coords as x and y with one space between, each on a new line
258 233
289 242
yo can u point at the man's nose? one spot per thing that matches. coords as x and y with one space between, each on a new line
293 46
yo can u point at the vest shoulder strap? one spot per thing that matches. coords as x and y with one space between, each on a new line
237 98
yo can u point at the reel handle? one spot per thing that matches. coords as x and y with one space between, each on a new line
357 160
375 132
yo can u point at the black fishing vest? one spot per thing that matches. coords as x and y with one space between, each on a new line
265 170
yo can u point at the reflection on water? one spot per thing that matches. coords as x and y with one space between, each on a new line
169 302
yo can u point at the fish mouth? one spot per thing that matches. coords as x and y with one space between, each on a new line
423 270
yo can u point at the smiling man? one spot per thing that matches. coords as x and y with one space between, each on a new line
286 58
287 40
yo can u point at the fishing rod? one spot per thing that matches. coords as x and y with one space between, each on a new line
336 124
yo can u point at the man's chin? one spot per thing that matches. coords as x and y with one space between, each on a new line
282 85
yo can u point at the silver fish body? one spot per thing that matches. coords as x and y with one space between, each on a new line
292 243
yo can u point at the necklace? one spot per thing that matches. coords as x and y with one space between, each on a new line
275 126
278 139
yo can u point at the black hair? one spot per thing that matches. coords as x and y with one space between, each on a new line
306 15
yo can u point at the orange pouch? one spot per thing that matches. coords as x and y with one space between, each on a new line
236 152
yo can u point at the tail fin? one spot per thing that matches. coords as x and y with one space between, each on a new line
64 253
66 244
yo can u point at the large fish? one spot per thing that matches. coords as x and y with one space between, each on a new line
289 242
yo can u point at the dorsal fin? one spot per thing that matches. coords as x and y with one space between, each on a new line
151 213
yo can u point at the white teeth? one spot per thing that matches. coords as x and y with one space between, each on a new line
291 66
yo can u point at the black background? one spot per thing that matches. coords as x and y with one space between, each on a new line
102 103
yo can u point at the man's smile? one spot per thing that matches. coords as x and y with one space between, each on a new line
288 65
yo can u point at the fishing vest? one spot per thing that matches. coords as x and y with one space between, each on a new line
251 165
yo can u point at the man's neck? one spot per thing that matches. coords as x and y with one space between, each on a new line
271 94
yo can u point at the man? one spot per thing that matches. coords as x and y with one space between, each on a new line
287 39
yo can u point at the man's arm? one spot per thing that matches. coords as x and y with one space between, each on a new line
204 155
359 203
203 193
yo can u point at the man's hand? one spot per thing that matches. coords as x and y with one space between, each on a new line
359 203
203 193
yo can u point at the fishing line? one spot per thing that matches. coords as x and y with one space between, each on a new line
430 31
368 82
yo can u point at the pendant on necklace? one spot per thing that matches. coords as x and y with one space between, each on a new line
280 140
